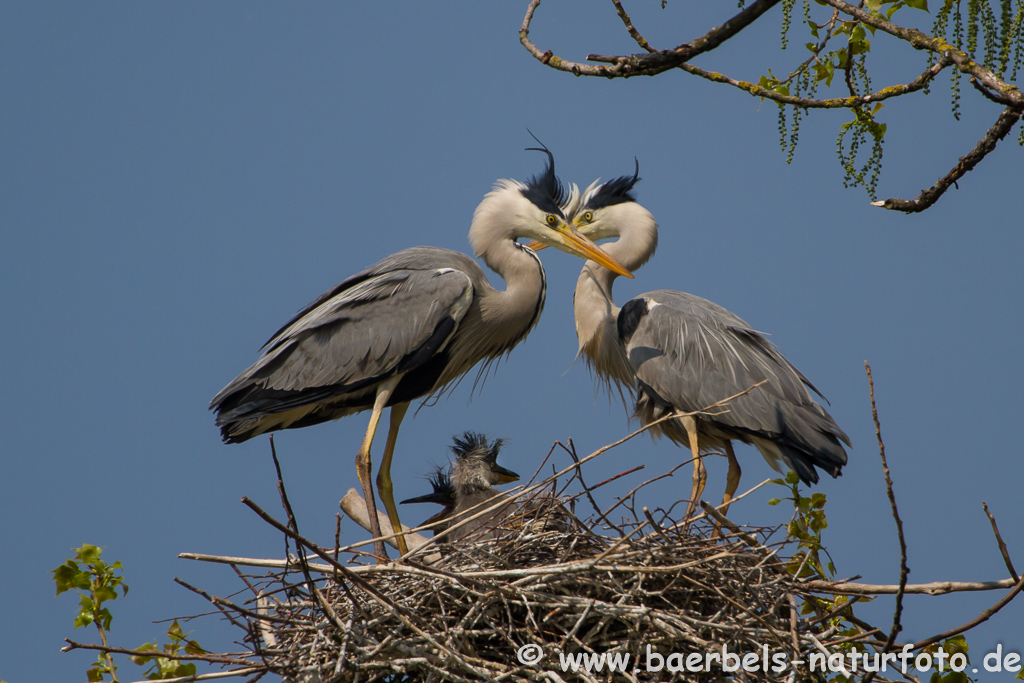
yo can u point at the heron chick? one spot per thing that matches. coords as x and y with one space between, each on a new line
472 473
444 492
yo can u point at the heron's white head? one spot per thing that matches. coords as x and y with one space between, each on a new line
610 210
533 210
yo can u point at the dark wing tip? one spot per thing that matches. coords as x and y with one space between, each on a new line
629 318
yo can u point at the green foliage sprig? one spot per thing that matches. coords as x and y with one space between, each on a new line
805 528
96 583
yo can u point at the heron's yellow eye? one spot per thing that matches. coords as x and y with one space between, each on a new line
588 216
552 220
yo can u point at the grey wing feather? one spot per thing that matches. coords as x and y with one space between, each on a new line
383 321
693 353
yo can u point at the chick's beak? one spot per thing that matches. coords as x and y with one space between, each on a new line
503 475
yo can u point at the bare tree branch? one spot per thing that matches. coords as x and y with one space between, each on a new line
999 540
997 132
984 616
985 78
653 62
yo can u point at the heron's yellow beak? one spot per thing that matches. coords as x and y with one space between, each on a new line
576 243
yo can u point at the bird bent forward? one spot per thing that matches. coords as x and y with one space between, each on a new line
406 328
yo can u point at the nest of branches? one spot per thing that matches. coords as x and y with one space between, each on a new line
552 598
516 607
621 594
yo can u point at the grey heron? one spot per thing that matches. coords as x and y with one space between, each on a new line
472 475
681 353
444 492
406 328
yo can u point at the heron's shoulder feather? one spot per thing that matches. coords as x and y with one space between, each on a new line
695 353
371 282
387 323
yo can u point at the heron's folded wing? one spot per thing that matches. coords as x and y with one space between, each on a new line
693 354
379 326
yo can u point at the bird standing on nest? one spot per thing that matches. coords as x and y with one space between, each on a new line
680 353
406 328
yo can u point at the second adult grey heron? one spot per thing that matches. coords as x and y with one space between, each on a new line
405 328
682 354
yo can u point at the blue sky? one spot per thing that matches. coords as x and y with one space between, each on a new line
178 179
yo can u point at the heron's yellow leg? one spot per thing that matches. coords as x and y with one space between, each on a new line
732 480
384 476
364 466
700 474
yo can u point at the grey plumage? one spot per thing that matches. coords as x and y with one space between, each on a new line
689 353
405 328
397 318
677 352
471 478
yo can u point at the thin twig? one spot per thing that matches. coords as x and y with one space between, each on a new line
999 539
903 569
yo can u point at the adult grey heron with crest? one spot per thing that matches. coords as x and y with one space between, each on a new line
405 328
681 354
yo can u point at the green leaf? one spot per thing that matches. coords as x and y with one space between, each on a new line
174 632
918 4
105 617
89 554
774 501
68 576
102 594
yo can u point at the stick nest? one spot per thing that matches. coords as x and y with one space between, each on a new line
551 582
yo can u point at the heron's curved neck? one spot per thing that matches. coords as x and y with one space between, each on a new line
511 313
594 306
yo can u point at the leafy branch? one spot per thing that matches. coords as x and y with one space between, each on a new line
96 583
841 46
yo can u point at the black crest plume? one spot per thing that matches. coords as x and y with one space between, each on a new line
617 191
471 442
440 482
545 190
